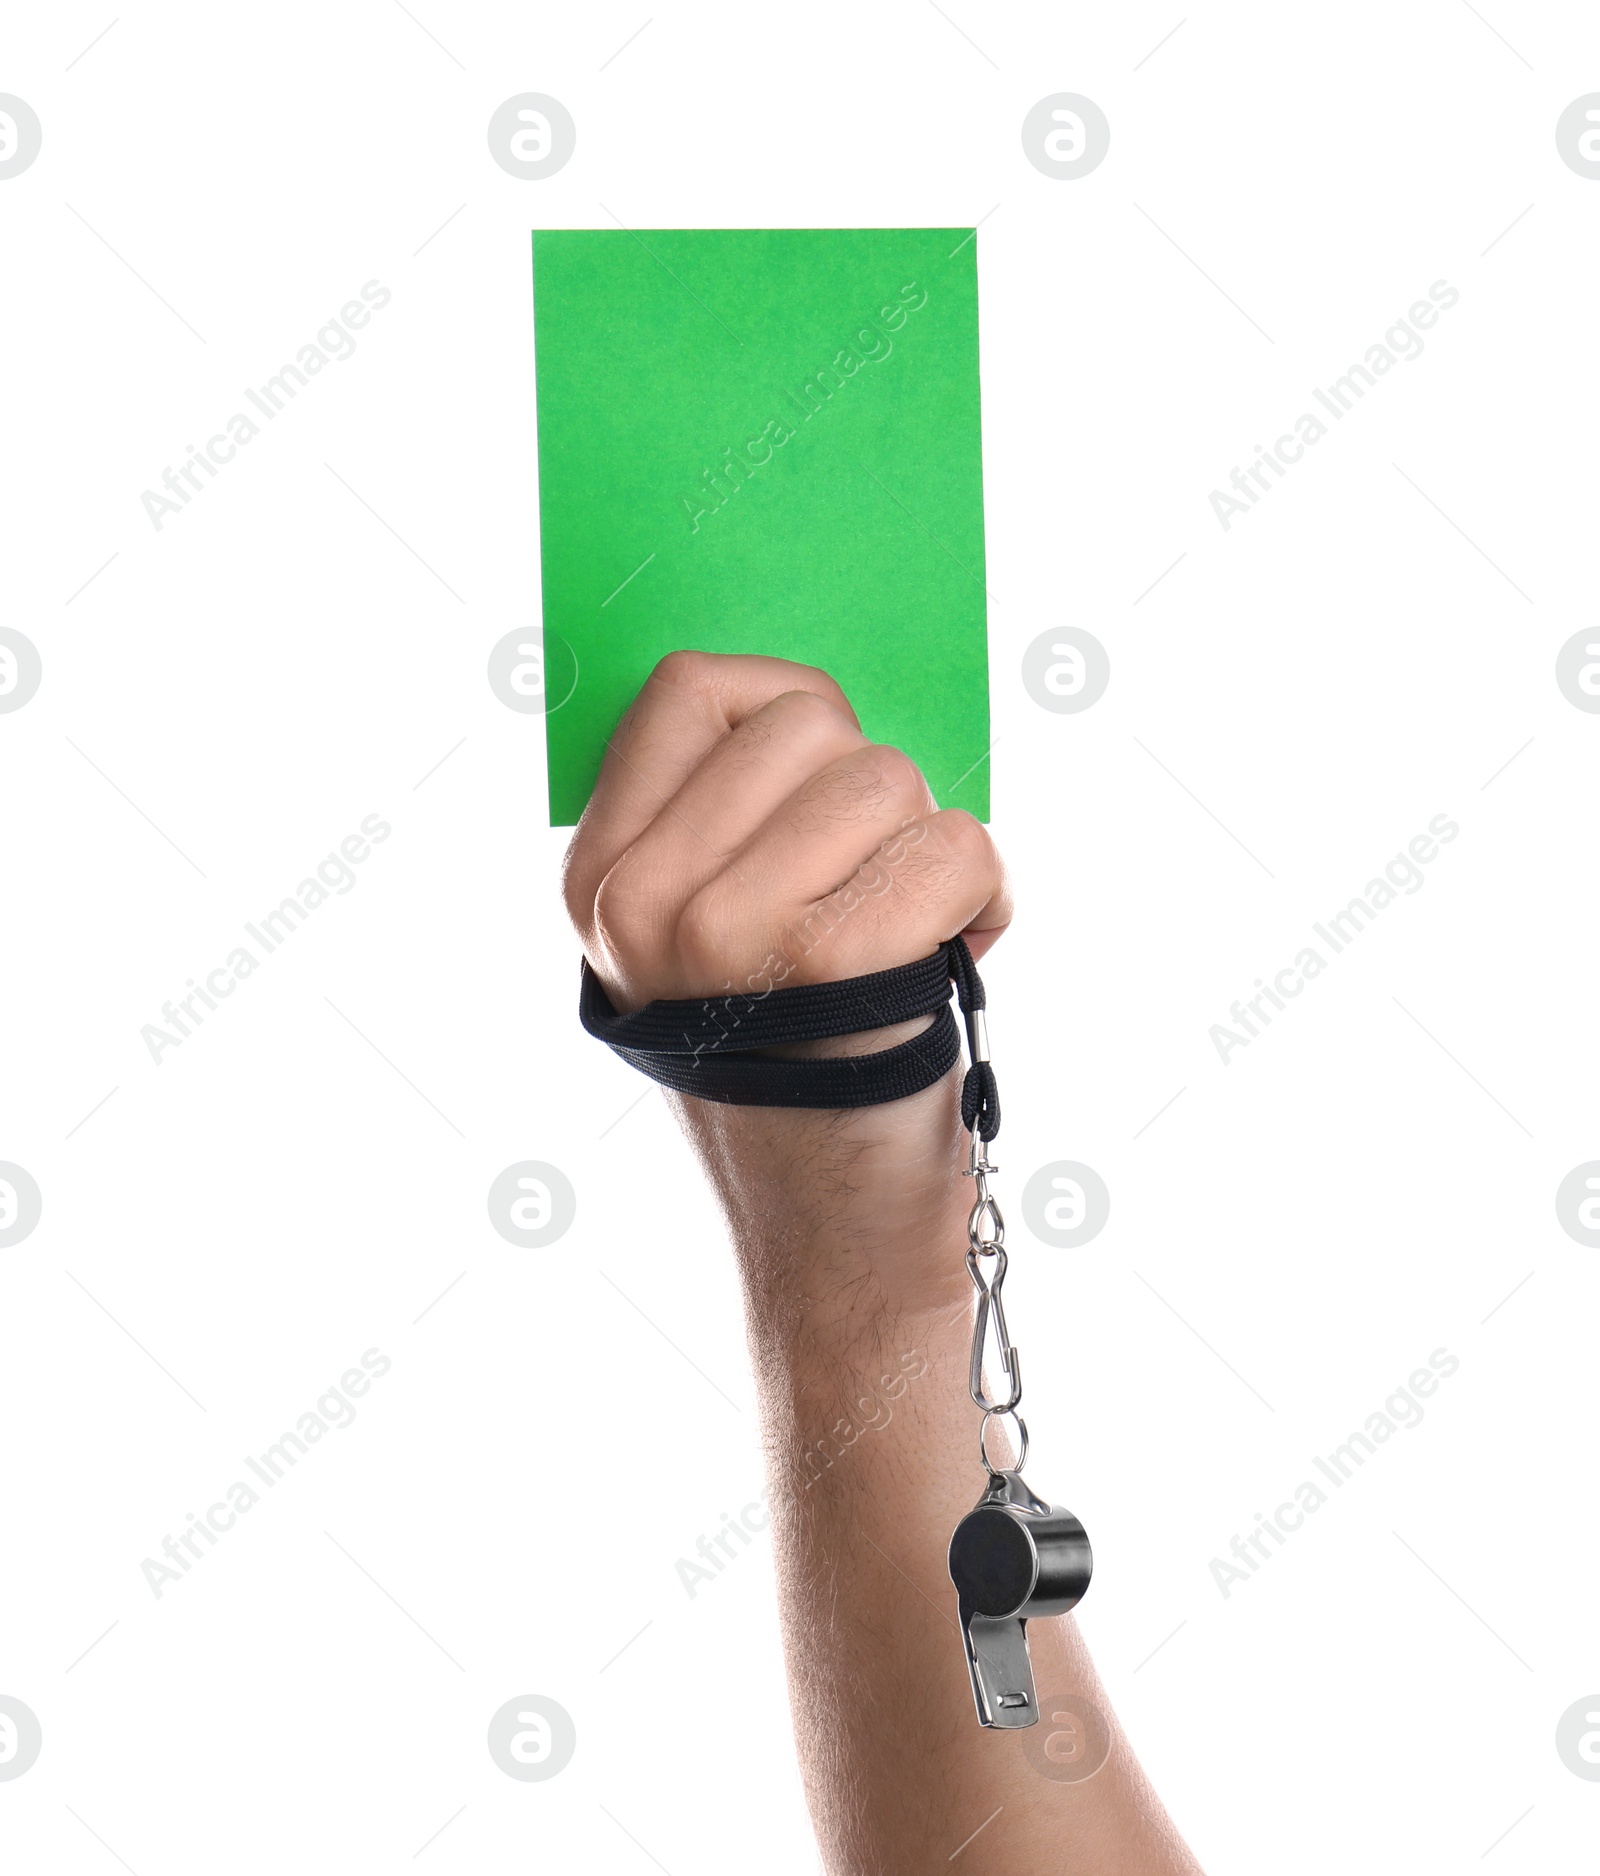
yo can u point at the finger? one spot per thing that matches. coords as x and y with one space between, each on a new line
832 823
688 703
909 899
749 775
938 877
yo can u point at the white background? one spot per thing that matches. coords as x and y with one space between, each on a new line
1365 650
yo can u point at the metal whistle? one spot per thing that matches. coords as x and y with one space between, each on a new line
1013 1556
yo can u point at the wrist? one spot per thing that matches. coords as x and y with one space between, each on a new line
840 1218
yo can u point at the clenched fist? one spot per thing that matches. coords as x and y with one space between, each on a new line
745 833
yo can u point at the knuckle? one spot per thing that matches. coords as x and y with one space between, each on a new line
812 722
620 916
581 871
899 780
806 707
793 721
878 780
945 856
575 895
966 837
702 936
832 690
965 848
684 670
903 779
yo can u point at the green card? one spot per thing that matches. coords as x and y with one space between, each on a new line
764 440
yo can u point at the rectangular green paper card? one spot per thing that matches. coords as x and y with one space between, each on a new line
764 440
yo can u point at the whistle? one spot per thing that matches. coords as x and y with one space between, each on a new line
1013 1556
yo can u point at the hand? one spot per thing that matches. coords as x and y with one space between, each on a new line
743 820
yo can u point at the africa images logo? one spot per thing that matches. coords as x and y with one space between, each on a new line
1401 344
870 345
1401 1412
333 344
334 1411
335 875
1402 875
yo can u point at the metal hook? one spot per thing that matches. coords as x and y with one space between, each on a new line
990 1307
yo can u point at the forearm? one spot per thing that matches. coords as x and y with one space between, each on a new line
850 1235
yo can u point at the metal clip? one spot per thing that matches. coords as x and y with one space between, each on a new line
991 1308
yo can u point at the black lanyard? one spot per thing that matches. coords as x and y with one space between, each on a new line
707 1046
